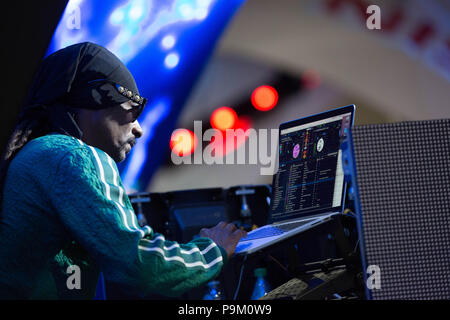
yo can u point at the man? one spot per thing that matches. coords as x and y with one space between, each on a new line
64 208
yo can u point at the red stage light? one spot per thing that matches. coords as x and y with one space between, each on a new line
244 123
235 139
223 118
183 142
264 98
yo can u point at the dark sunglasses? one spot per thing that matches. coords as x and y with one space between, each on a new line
141 101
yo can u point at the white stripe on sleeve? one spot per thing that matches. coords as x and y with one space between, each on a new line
180 259
108 194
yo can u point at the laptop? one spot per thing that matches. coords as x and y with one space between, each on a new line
309 187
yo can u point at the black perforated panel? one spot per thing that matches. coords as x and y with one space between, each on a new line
403 172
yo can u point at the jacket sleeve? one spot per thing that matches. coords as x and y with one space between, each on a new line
89 199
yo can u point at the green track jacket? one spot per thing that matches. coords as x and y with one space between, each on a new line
64 204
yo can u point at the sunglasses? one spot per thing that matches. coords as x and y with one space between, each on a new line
141 101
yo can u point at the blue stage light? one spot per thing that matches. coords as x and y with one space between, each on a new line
117 17
136 12
171 60
168 42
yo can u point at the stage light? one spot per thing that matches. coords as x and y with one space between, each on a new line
264 98
223 118
186 11
171 60
204 3
183 142
117 17
168 42
135 12
135 24
226 142
201 13
244 123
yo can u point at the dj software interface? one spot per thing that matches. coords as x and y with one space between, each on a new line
310 170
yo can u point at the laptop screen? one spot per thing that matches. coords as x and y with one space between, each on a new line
310 179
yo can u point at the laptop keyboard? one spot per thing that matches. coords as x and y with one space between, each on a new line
273 230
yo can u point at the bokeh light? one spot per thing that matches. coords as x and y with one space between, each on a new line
223 118
183 142
264 98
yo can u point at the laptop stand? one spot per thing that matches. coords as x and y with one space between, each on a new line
326 279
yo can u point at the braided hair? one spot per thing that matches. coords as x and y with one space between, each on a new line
33 123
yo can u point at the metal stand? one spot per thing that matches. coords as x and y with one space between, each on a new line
326 279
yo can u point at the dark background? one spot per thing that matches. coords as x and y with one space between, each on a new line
26 28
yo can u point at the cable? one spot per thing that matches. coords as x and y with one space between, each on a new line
350 213
240 278
278 263
356 247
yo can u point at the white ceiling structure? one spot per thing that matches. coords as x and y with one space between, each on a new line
285 33
357 66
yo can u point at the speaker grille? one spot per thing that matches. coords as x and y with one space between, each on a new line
403 177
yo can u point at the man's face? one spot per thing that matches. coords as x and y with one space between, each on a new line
113 130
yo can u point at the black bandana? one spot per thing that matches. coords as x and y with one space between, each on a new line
85 76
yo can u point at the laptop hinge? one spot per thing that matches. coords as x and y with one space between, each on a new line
306 218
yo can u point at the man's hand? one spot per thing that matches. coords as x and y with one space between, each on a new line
225 235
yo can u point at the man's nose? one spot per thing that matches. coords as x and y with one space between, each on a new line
137 130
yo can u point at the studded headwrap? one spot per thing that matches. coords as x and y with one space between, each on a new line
85 76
